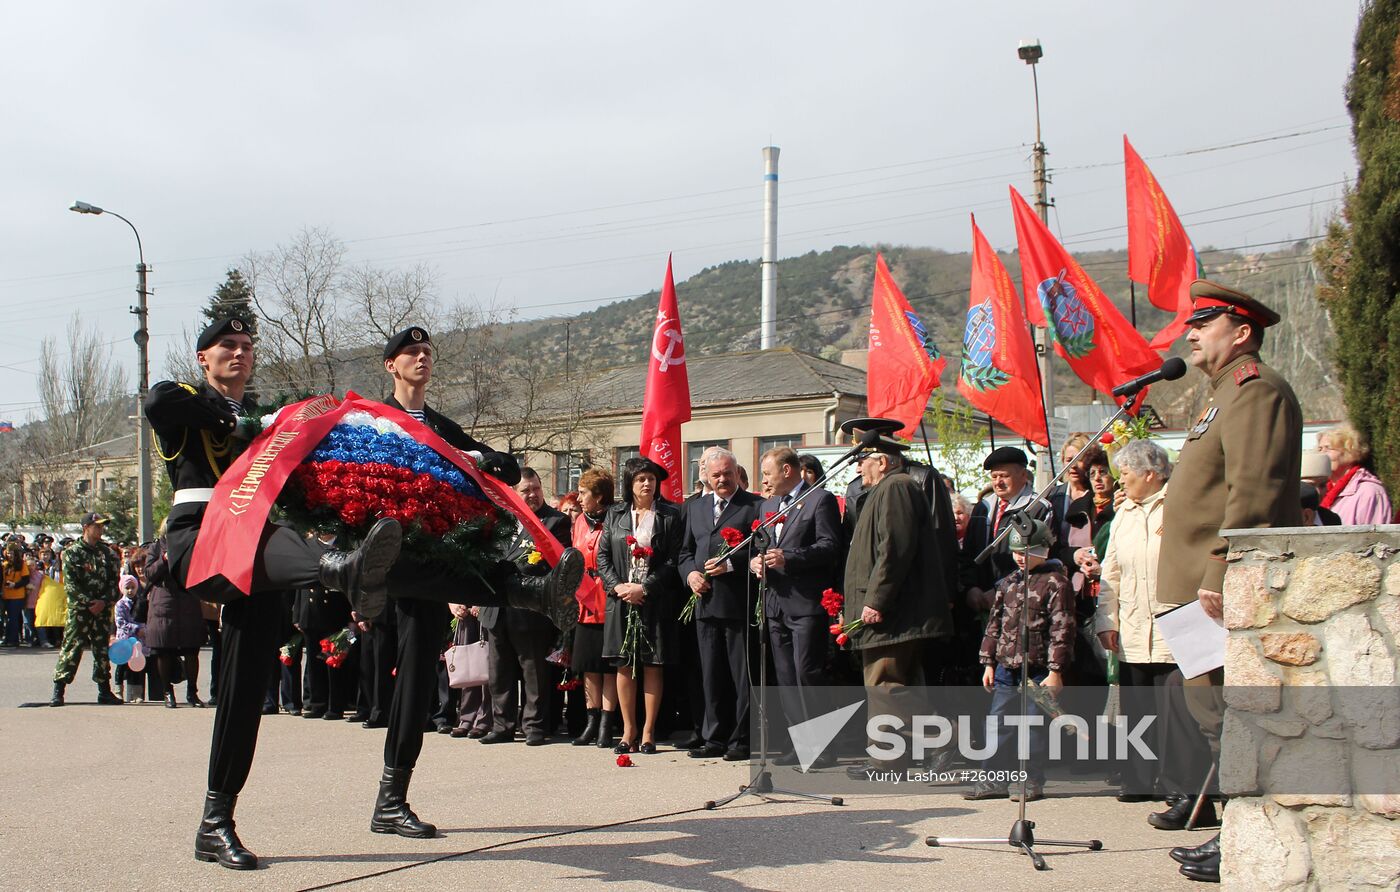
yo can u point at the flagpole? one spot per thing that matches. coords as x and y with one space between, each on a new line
992 432
1040 387
927 451
1132 300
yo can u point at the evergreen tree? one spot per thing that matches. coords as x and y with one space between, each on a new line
233 297
119 504
1360 259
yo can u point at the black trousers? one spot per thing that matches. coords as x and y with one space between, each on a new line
724 669
422 628
378 651
799 655
251 630
517 659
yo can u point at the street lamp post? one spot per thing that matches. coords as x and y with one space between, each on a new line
145 531
1030 52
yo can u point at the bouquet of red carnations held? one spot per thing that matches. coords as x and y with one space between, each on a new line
287 653
336 648
634 639
732 538
833 602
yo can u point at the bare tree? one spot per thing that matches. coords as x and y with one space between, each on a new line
303 332
82 391
385 302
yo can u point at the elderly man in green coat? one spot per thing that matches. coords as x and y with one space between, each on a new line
894 584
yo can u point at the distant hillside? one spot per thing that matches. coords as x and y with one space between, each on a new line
824 306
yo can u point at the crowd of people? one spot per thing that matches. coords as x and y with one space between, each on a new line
878 585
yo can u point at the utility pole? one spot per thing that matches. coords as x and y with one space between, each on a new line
1030 52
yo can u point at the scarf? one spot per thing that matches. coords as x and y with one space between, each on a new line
1334 489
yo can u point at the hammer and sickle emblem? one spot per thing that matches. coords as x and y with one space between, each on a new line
674 354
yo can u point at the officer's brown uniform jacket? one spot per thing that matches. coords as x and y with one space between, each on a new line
1238 469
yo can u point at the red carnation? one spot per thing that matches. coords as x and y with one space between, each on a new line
286 660
731 536
326 646
631 540
755 525
769 515
1106 439
832 602
781 518
624 761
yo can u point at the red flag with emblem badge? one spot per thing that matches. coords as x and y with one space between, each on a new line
904 365
998 372
1159 253
1102 347
667 403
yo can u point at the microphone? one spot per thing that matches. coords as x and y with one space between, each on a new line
1171 370
867 439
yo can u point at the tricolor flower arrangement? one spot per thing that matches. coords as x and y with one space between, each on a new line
368 467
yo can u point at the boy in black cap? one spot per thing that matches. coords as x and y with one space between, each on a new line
200 430
422 594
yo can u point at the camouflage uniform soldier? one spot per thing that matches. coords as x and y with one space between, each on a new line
90 578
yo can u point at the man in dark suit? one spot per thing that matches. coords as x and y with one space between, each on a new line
799 565
522 639
722 617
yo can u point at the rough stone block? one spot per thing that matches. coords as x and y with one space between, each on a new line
1291 648
1250 684
1281 727
1310 771
1263 846
1352 851
1309 695
1362 671
1375 778
1248 603
1278 578
1388 615
1321 586
1239 756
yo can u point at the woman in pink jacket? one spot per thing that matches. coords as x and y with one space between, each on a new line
1353 492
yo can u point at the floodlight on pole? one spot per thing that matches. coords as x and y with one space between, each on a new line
142 337
1030 51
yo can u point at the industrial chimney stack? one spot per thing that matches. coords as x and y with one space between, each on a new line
768 313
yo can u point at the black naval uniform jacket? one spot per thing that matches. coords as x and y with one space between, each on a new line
193 427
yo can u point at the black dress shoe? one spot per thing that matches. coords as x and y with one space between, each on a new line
357 717
444 728
313 714
625 747
269 710
1207 871
333 716
476 734
193 700
499 737
170 700
374 723
535 740
647 748
694 743
737 754
707 751
1125 796
786 759
459 733
1175 818
1195 855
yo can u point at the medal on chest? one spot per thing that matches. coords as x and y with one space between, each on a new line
1203 422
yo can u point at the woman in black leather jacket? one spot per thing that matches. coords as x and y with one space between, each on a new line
643 520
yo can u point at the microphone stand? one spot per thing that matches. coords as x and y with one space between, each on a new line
1022 834
761 785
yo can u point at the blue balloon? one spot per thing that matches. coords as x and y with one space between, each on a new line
120 652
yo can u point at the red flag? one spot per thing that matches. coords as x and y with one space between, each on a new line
1100 345
1159 253
667 403
998 373
904 364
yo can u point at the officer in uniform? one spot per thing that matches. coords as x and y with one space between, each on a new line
422 594
90 578
1238 469
201 430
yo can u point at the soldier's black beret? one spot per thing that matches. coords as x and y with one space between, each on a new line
1005 455
395 345
221 327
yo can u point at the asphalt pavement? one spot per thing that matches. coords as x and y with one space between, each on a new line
108 797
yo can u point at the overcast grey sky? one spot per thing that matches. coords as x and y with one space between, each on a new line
548 155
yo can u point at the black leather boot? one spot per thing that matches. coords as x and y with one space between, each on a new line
391 811
57 698
1175 818
170 698
362 575
606 724
1195 855
590 730
105 695
216 839
551 594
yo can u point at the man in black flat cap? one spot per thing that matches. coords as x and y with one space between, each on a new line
1012 489
421 594
893 585
200 431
